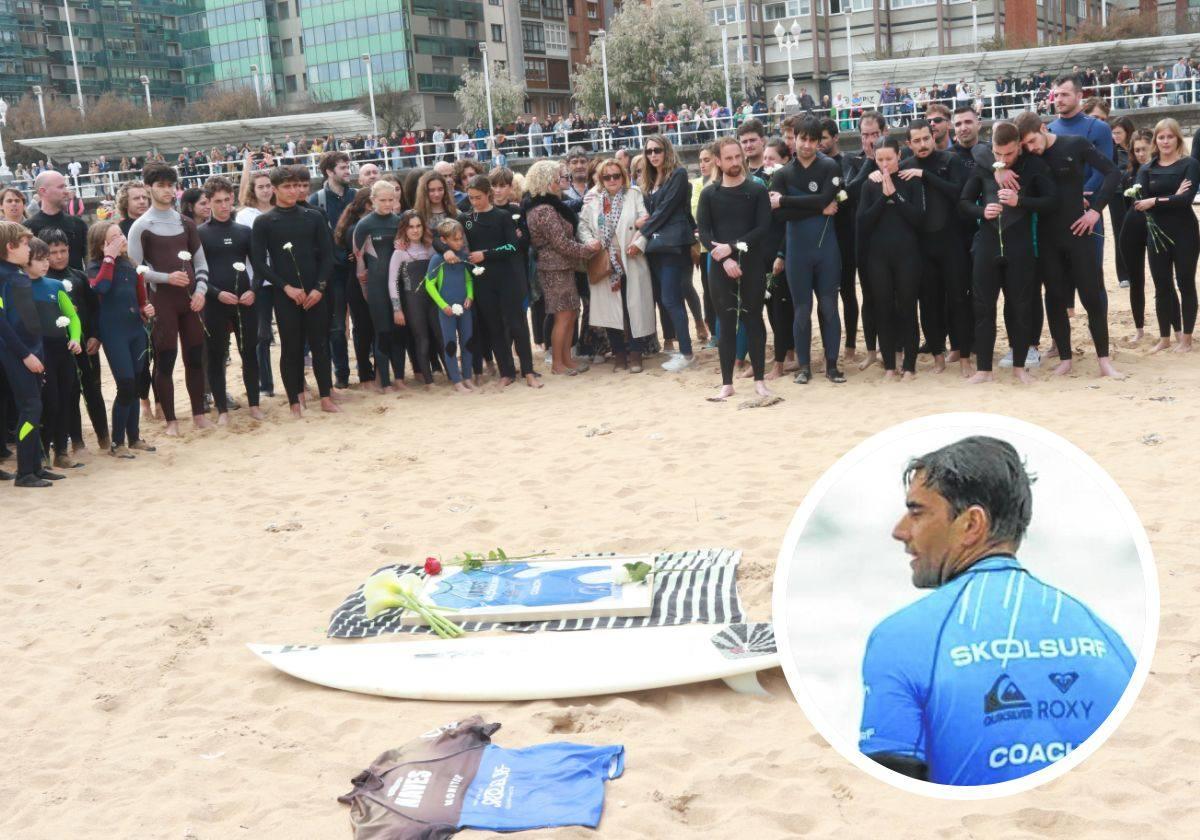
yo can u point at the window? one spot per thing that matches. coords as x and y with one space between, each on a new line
795 9
282 11
473 30
439 26
495 2
552 9
535 69
443 65
556 38
552 106
574 40
907 4
571 8
754 13
498 33
533 38
593 13
287 47
290 84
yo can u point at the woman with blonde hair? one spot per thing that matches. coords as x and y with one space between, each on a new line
622 301
552 231
670 232
1167 188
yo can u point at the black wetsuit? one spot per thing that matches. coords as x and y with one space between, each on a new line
500 289
374 238
308 265
1068 262
226 243
730 215
844 224
945 279
967 228
87 306
1176 248
75 228
856 169
1004 255
891 223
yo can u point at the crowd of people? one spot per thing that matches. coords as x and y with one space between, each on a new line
441 274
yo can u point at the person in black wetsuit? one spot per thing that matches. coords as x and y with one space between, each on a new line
87 363
843 225
1066 255
292 248
945 302
803 194
890 213
1168 186
1132 241
231 296
1004 254
493 244
966 138
373 239
856 168
734 220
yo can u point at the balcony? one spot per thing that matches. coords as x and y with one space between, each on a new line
438 83
455 9
531 8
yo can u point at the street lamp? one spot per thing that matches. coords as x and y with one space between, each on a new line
74 62
487 89
146 87
257 90
603 38
787 45
725 65
975 24
849 7
37 91
5 172
366 57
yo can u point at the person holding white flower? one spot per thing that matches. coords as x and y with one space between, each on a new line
61 339
734 220
373 239
168 244
291 246
451 286
124 317
1132 241
411 306
231 296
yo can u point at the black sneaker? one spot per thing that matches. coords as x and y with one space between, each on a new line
232 404
341 384
7 476
803 377
50 476
31 481
834 375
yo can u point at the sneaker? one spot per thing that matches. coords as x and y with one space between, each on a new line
679 363
1007 360
803 376
120 452
1033 358
711 344
46 475
141 445
834 375
7 476
31 481
1124 284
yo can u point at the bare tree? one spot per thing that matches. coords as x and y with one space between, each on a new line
396 109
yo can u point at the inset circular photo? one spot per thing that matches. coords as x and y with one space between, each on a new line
966 605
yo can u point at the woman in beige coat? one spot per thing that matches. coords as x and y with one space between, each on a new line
622 302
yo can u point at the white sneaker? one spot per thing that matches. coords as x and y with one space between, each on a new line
1033 358
1007 360
675 364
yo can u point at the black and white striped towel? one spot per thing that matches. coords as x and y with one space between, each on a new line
704 592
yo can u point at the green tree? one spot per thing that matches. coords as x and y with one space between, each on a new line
508 98
661 53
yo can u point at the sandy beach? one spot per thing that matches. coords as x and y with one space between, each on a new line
134 710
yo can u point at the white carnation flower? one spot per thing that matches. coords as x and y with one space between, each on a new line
477 270
287 246
836 180
239 266
142 269
516 217
743 247
999 165
457 309
62 322
842 195
185 256
68 286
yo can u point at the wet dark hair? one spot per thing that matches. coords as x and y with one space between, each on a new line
217 184
983 471
752 126
187 202
889 142
480 183
152 173
917 125
54 236
829 126
38 249
809 127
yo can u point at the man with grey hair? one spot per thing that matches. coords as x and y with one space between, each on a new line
995 674
368 174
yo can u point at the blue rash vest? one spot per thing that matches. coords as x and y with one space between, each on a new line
516 584
992 676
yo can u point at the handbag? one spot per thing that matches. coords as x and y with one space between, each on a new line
598 267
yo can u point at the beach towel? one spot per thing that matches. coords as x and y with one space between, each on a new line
454 777
704 592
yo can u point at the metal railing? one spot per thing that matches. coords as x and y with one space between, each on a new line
504 149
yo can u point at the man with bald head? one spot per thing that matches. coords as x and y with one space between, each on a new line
368 174
51 189
445 168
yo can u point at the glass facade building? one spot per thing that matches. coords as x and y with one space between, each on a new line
337 33
224 39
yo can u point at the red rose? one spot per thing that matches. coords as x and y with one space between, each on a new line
433 566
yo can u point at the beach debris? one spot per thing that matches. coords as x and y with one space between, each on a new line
760 402
1152 439
596 431
1162 399
275 528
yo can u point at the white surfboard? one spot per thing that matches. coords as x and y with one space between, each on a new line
541 666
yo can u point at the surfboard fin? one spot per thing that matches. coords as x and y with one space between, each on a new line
745 683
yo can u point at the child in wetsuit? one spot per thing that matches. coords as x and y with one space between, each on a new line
453 290
61 337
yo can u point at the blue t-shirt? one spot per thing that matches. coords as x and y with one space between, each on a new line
991 677
521 584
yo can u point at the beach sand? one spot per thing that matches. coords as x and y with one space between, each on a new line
133 709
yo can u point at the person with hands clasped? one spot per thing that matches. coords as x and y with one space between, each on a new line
451 287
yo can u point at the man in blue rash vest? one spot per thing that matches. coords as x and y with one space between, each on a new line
993 675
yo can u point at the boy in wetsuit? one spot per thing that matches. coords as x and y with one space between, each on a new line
453 291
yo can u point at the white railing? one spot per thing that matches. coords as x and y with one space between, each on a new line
990 105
